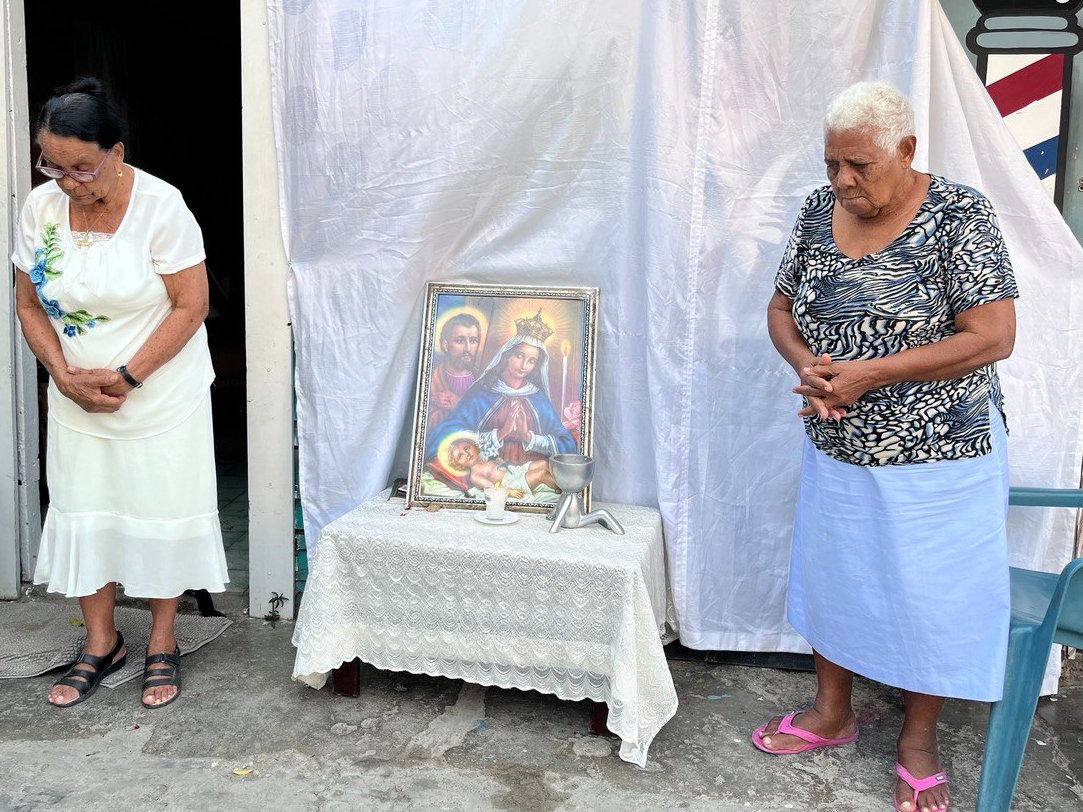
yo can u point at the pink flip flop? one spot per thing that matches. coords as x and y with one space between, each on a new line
812 741
919 785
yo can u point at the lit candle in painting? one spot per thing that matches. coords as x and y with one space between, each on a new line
565 349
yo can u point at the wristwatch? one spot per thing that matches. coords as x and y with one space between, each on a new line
127 376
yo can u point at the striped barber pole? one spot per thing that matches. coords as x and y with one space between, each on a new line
1028 90
1025 50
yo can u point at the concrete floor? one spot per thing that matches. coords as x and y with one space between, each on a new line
413 742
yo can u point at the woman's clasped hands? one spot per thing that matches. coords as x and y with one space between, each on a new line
95 390
830 387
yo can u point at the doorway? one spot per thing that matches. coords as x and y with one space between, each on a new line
174 75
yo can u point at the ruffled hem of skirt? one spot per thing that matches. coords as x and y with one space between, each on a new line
82 552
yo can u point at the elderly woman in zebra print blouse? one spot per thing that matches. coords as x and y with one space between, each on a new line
892 304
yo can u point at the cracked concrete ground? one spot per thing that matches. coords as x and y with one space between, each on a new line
415 742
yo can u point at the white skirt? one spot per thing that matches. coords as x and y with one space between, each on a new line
141 512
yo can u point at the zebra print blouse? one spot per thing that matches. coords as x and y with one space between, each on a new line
950 257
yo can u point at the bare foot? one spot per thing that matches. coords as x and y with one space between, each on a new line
65 694
161 694
922 761
829 727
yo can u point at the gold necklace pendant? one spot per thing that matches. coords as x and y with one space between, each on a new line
87 240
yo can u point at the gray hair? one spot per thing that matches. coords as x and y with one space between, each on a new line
876 107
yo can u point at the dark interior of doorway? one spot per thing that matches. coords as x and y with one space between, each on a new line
174 73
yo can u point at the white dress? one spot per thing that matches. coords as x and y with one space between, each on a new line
133 497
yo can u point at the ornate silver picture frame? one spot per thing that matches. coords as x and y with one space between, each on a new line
505 381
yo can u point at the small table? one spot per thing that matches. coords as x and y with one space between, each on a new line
579 614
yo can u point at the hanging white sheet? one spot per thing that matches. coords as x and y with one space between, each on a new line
659 150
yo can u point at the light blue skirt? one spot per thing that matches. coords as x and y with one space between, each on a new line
900 573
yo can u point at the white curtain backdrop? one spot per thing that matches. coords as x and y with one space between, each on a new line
659 150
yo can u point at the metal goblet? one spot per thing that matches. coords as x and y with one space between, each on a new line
573 472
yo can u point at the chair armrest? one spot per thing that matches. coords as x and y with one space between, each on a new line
1046 497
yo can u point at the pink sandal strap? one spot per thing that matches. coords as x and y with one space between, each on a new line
920 784
784 726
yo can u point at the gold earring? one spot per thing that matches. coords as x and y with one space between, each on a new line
120 173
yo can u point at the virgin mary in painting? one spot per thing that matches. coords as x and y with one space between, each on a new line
508 409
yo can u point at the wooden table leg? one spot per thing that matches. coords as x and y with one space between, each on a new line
597 716
346 679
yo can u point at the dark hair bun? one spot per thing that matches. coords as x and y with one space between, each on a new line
87 84
82 110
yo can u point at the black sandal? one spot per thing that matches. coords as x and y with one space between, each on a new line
169 674
85 681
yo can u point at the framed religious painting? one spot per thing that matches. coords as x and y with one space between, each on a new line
505 382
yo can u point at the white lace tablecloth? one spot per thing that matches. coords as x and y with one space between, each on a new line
578 614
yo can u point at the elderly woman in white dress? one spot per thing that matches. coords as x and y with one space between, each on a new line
111 297
893 302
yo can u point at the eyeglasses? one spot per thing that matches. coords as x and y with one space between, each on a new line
79 176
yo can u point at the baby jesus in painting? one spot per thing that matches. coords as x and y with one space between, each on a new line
482 473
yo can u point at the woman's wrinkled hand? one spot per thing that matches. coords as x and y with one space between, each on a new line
94 390
817 407
832 386
816 388
118 389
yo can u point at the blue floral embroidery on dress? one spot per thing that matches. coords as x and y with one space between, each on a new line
37 273
52 306
44 270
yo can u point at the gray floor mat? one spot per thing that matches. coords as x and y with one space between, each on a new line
38 637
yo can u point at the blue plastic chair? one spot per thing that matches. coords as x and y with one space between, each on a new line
1047 608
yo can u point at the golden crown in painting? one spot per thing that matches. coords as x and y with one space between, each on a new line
533 327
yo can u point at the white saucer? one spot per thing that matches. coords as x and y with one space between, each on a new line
509 518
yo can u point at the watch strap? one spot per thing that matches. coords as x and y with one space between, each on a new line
127 376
